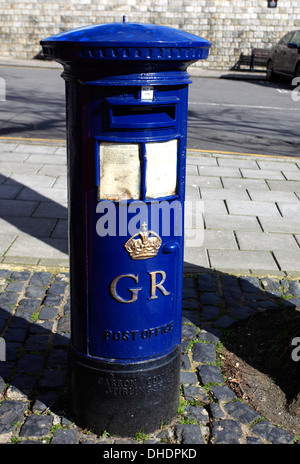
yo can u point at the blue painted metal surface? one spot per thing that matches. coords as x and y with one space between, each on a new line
115 329
148 326
110 109
126 42
125 311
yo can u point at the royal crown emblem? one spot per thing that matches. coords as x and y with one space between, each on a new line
145 246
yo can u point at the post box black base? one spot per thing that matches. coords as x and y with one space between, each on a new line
123 399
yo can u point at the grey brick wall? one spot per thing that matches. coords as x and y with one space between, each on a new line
233 26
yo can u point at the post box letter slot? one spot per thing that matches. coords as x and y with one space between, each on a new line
142 116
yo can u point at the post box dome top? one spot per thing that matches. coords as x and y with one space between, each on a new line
125 41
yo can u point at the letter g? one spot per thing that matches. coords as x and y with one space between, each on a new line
133 291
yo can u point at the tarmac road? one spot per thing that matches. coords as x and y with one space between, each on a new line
252 116
234 115
34 105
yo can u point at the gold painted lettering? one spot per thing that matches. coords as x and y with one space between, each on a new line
154 285
133 291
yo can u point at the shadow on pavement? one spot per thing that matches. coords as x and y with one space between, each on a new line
256 319
35 323
23 215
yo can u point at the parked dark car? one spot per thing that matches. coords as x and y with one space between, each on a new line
284 57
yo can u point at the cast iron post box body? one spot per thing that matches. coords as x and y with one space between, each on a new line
126 100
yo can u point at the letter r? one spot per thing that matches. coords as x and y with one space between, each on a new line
155 285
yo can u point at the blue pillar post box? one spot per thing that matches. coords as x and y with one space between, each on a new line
126 103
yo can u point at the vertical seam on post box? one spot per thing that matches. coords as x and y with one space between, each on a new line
143 161
97 164
87 278
181 168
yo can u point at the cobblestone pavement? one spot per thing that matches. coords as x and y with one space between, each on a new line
35 324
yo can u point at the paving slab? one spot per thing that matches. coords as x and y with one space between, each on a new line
35 227
282 164
30 168
17 207
215 206
288 260
223 194
291 175
219 171
52 169
229 222
47 209
238 259
273 196
288 185
191 169
262 174
289 210
202 160
28 246
35 148
5 241
30 180
219 239
250 208
233 182
238 162
280 224
204 181
61 229
9 192
40 158
266 241
18 157
192 192
60 182
38 194
195 258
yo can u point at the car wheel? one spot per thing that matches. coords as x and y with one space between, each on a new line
270 72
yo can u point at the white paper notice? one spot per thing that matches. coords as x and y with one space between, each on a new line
161 172
147 93
120 176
